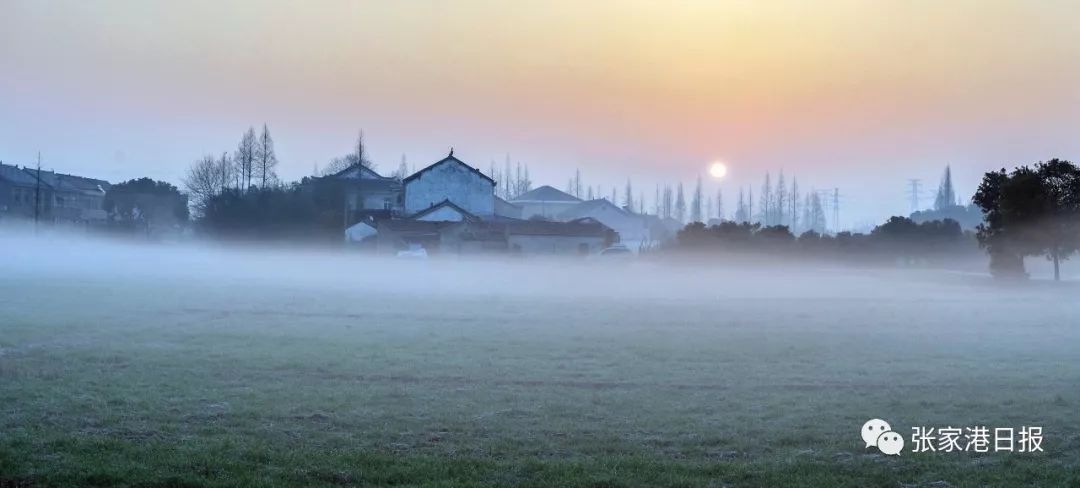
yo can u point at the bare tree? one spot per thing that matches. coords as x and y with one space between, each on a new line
695 203
628 201
201 181
226 171
720 204
668 204
266 159
742 214
766 201
359 156
780 201
680 205
403 169
795 205
244 159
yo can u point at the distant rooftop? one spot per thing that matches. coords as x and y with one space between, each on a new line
545 194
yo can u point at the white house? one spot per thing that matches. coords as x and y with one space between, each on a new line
452 180
544 201
632 228
366 191
444 211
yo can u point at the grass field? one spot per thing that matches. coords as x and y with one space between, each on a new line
334 371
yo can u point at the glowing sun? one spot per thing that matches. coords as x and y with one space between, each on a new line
718 170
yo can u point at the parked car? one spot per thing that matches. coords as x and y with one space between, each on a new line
415 251
617 251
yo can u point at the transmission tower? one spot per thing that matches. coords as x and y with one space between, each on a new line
913 193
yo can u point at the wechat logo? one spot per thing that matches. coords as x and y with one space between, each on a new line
878 433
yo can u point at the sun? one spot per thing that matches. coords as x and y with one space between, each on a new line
718 170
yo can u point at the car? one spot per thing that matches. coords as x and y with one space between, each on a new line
415 251
617 250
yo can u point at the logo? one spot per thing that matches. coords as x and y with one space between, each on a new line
877 433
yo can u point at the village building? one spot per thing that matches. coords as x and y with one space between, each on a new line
544 202
633 230
577 237
444 211
453 180
59 197
450 207
507 210
365 192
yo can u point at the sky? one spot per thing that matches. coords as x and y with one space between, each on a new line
855 95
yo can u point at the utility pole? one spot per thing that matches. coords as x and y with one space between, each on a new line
913 193
37 193
836 208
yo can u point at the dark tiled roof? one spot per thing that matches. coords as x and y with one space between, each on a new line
573 228
546 194
409 225
63 182
362 169
444 203
504 202
583 208
448 159
16 176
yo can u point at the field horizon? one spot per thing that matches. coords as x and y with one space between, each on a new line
197 366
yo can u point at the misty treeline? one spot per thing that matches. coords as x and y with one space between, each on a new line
252 166
778 203
143 206
1029 211
239 195
898 239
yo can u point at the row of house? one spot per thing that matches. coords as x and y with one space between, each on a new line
451 206
28 193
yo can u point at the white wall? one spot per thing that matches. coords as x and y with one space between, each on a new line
443 214
530 244
452 181
546 209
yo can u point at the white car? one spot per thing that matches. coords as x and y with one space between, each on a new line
617 251
415 251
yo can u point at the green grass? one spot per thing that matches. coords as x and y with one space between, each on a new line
141 382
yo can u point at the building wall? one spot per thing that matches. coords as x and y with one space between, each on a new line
545 209
18 201
444 214
455 182
504 209
566 245
632 229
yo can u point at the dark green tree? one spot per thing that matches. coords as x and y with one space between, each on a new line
1030 212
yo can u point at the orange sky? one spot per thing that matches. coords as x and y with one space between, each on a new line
861 95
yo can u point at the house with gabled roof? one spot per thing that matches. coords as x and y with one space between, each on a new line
444 211
58 197
633 229
450 179
545 202
366 192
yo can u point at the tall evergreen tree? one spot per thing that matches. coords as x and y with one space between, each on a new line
946 196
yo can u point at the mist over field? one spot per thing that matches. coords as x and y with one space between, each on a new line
219 365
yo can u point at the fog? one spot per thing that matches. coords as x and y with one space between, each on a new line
319 269
328 362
